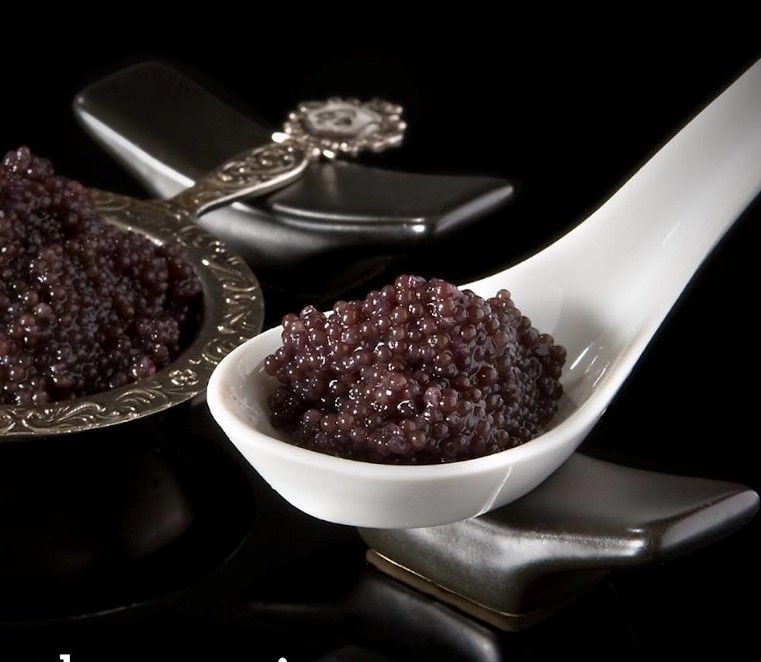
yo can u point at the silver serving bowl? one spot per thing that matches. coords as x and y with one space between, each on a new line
233 311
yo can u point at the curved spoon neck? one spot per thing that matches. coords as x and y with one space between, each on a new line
646 242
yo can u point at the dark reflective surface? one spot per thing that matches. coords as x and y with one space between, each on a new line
106 519
568 122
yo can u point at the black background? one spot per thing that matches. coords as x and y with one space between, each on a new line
567 116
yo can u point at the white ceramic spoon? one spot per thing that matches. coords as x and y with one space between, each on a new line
602 291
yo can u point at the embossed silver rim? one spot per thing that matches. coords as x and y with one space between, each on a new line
233 312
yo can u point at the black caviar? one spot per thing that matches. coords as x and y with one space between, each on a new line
84 306
417 373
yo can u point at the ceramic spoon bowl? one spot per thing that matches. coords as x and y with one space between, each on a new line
602 291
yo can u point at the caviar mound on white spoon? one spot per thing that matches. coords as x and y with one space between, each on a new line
602 290
418 372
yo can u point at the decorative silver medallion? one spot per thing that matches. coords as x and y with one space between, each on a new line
331 128
346 126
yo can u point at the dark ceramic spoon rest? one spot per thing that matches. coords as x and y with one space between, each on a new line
512 567
335 227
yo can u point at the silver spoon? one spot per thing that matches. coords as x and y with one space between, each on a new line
331 128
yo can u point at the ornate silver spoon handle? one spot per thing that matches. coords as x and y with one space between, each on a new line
336 127
255 172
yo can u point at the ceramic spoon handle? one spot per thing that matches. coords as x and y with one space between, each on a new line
634 256
629 261
252 173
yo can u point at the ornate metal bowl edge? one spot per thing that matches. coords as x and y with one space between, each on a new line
233 312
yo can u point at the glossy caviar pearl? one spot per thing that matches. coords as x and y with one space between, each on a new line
84 306
417 373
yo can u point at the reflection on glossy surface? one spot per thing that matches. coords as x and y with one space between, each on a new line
359 605
111 518
348 600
